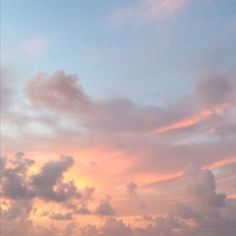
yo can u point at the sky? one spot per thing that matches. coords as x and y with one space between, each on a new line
118 118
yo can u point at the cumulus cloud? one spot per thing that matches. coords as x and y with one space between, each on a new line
131 188
48 182
104 209
83 211
184 221
59 92
201 186
86 195
15 180
119 124
17 210
20 189
115 227
62 92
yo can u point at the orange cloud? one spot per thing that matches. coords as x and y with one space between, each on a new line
189 121
221 163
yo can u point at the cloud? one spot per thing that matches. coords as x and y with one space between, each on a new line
115 126
20 209
59 92
148 11
7 91
115 227
177 133
104 209
83 211
86 195
201 186
184 220
214 90
14 179
59 216
131 188
158 138
48 182
62 92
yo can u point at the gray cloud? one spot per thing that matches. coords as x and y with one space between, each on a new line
15 180
104 209
59 216
206 223
201 186
214 90
131 188
59 92
83 211
18 209
48 182
6 89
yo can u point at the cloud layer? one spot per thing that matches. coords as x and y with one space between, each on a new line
205 211
137 158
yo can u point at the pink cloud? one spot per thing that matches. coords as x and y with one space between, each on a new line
59 92
148 10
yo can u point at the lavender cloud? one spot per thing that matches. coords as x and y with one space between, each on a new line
60 92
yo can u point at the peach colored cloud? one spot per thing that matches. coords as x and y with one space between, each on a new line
221 163
189 121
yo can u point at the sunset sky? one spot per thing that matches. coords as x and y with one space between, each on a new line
118 118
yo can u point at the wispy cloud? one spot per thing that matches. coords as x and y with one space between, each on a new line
34 47
148 10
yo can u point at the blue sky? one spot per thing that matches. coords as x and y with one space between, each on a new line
118 114
142 61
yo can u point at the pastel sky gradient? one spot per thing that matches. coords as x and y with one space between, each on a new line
118 118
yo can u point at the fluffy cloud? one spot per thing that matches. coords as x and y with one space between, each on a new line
14 179
121 126
104 209
60 92
20 189
201 186
115 227
48 182
154 139
17 210
147 132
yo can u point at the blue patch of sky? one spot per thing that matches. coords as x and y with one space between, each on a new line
148 62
